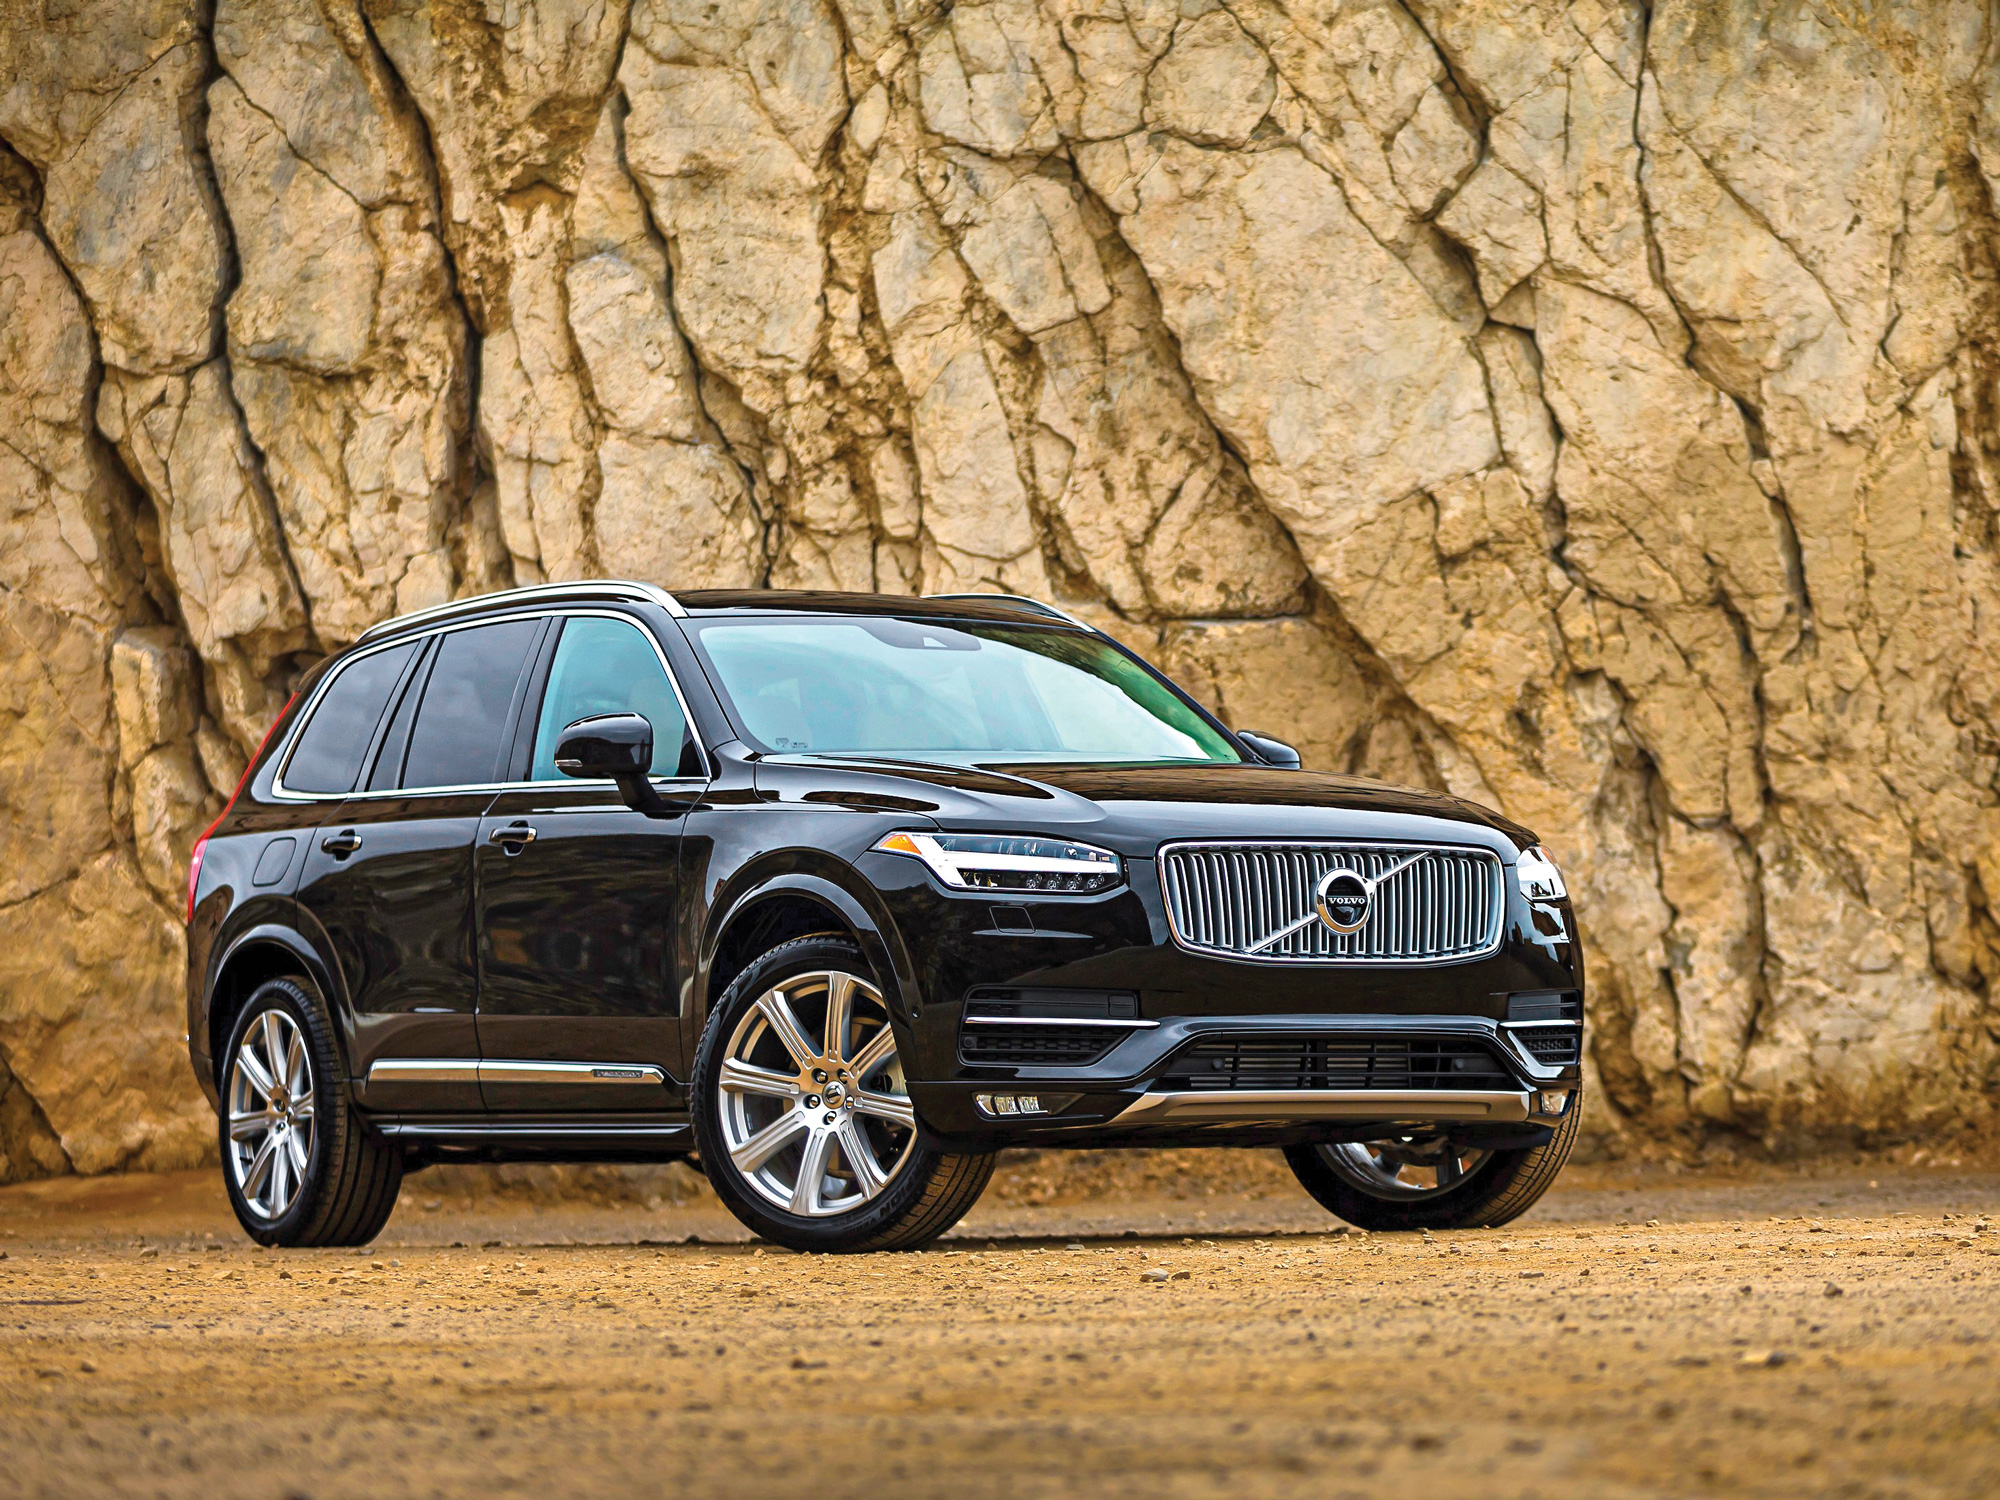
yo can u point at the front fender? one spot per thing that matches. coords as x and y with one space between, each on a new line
832 883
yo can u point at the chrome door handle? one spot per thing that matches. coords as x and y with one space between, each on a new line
513 838
341 844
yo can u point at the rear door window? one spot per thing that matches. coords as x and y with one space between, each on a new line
607 667
467 703
329 752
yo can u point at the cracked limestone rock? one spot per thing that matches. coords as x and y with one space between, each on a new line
1586 408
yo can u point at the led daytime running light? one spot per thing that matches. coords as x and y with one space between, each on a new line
1010 862
1540 879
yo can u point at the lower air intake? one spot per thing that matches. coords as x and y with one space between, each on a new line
1318 1062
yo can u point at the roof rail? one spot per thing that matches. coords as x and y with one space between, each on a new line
1035 604
613 587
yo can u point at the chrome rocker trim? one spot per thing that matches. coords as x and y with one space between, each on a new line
476 1070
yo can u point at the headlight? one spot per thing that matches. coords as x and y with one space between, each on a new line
1009 862
1539 877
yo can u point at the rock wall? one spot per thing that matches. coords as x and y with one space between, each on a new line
1585 406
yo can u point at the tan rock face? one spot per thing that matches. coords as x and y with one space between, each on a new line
1587 408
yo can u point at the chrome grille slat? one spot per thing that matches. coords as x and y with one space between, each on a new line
1224 898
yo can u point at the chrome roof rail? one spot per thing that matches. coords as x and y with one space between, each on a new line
1035 604
616 588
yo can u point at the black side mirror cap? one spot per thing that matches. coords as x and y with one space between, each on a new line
1271 752
606 747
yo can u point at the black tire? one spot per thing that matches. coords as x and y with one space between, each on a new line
351 1176
928 1192
1504 1186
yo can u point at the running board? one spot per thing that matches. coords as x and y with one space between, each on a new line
1272 1106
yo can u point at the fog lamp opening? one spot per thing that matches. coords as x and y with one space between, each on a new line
1551 1101
1000 1106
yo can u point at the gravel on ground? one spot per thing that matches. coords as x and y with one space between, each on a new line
1758 1333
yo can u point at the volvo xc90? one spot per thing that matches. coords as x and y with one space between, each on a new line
841 894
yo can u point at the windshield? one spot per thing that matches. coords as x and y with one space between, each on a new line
961 692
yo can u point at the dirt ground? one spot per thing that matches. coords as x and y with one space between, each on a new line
1820 1331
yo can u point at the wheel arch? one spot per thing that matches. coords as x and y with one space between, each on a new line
262 953
791 904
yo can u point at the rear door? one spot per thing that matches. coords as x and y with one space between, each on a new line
389 878
577 894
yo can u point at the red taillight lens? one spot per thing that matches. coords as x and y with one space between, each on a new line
194 865
201 844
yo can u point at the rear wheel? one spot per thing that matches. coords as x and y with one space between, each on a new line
1428 1181
301 1165
803 1115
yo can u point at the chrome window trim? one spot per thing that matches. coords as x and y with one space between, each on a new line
284 758
555 592
1186 945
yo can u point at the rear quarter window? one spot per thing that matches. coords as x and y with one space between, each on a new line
328 755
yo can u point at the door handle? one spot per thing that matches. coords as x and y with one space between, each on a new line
513 838
341 844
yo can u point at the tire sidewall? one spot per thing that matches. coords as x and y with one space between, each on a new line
292 999
854 1230
1484 1200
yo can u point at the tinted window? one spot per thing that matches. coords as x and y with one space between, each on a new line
607 667
388 771
456 741
328 757
957 692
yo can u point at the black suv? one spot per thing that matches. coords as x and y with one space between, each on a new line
842 894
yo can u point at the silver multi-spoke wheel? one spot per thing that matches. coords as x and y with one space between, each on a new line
270 1103
1403 1168
811 1097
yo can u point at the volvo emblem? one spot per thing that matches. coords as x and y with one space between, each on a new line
1342 898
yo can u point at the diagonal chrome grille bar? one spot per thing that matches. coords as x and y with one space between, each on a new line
1428 904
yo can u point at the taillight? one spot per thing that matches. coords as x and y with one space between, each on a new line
201 844
194 864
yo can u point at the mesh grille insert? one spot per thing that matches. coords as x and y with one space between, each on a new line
1035 1046
1552 1046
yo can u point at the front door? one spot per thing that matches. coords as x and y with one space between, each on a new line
389 877
578 997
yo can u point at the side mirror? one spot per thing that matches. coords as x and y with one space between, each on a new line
1271 752
613 747
606 747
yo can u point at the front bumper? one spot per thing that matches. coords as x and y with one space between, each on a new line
1144 1092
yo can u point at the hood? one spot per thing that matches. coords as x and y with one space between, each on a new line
1135 808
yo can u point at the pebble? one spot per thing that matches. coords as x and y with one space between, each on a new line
1833 1289
1763 1358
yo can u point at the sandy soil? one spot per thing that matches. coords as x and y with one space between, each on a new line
1803 1332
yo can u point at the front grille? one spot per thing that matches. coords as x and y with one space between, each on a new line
1433 904
1343 1062
1552 1046
1036 1046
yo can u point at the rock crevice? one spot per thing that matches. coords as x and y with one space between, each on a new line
1589 409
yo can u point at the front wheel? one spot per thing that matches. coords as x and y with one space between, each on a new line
1428 1181
803 1116
301 1166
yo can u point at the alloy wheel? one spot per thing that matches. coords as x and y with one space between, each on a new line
814 1108
270 1102
1403 1168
